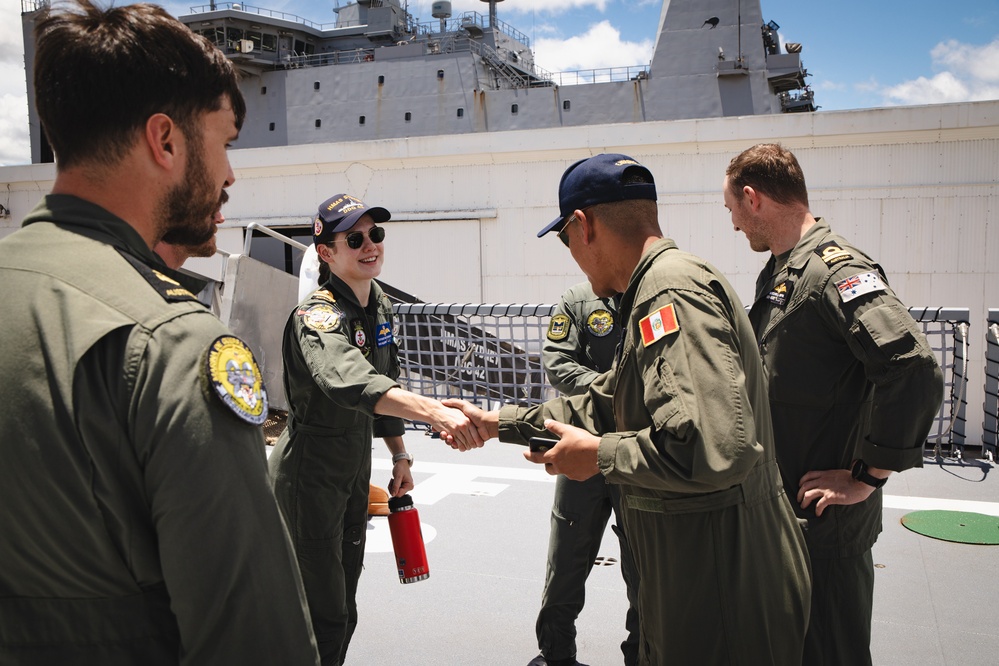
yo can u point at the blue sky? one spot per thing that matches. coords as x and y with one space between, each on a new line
860 54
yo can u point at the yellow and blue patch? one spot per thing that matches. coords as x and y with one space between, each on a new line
384 336
235 379
600 323
558 328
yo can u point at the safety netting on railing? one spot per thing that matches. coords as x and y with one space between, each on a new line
946 329
487 354
491 355
990 426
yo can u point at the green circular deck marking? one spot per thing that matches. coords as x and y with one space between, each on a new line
957 526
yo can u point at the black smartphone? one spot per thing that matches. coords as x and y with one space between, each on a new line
541 444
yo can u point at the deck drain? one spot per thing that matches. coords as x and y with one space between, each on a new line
956 526
604 561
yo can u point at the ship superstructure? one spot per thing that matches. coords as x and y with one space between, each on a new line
378 73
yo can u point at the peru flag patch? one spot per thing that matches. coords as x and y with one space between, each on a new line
659 324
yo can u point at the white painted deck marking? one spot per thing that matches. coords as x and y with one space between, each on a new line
923 503
453 478
379 538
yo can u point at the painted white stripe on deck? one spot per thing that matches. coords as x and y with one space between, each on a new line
454 478
923 503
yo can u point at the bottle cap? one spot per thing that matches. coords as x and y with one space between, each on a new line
400 503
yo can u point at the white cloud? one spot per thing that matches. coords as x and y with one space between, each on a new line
14 145
600 46
969 73
870 85
979 62
830 85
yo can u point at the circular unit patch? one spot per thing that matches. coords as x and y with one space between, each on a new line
236 380
600 323
956 526
321 318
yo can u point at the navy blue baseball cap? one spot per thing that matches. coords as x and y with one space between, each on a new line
596 180
340 213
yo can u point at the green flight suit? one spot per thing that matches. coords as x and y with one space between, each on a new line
138 525
582 336
851 376
685 431
339 360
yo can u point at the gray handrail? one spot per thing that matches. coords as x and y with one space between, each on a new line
248 238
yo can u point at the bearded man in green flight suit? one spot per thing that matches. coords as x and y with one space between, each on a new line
854 387
681 425
138 525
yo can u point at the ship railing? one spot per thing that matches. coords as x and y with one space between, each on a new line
344 57
28 6
490 354
990 426
500 65
604 75
946 329
487 354
800 100
262 11
473 20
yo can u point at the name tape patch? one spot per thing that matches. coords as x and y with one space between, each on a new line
384 335
779 295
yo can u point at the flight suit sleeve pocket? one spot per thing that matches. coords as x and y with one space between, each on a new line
887 334
664 400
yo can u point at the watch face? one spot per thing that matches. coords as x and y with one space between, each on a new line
858 468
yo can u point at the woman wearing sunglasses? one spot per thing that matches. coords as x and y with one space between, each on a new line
340 370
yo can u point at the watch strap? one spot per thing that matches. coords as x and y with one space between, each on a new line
861 474
408 457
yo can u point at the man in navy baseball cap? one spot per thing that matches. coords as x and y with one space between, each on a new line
603 178
680 426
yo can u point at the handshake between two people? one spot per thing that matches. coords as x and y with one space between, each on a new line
464 426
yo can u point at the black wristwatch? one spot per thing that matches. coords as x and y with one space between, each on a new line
860 473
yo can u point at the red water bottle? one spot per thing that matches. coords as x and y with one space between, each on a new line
407 540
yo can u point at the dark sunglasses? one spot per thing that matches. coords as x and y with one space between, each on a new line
355 239
562 236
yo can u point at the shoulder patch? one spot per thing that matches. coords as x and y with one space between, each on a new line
324 295
860 284
659 324
558 327
832 254
234 377
320 317
165 286
600 322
